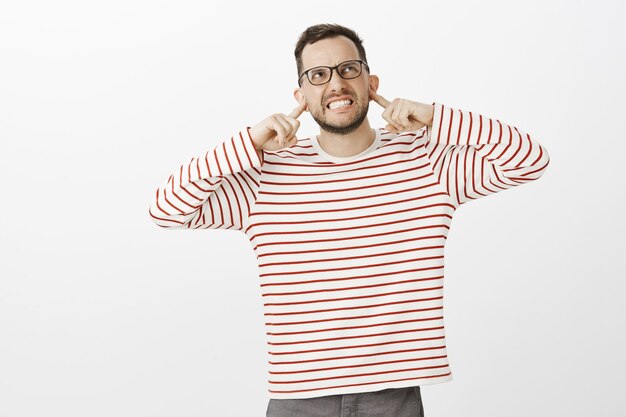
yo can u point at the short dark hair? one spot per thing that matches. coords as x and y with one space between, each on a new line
322 31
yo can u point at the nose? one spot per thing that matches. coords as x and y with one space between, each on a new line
336 83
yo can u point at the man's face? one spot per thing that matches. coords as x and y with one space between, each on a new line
331 52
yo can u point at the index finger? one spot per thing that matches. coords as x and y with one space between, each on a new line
379 99
295 113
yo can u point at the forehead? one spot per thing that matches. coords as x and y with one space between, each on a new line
329 51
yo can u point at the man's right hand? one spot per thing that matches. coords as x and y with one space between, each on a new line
278 130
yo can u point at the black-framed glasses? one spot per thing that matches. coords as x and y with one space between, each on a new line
322 74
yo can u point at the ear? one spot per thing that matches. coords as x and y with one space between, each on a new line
373 83
299 96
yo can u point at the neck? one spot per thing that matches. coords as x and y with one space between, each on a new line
347 145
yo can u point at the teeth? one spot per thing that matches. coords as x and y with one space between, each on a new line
340 103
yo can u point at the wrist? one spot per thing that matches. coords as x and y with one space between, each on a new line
431 114
252 135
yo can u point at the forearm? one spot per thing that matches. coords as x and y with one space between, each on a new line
474 155
217 176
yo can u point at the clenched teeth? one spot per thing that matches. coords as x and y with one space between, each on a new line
339 103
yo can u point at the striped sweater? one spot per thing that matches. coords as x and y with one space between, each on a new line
351 249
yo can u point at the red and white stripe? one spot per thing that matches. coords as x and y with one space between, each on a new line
351 254
501 157
212 191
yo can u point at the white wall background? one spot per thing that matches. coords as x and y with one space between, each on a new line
102 313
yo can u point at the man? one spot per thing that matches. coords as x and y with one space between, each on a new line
349 227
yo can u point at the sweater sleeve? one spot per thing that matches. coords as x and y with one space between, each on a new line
473 156
215 190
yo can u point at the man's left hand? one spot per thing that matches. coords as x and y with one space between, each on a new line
404 115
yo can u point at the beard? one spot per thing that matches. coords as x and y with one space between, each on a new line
349 126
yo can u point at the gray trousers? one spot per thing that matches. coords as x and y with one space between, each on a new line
392 402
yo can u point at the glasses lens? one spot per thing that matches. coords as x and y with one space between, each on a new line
347 70
319 76
350 69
